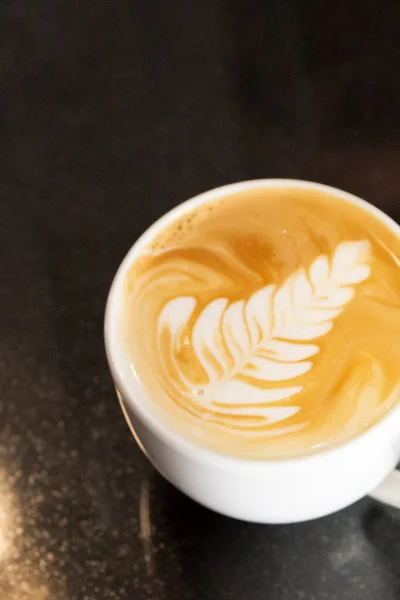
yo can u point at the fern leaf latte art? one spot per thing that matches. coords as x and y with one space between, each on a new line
266 323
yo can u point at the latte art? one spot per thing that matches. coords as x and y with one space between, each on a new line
246 347
266 323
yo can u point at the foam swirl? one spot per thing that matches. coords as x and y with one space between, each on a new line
246 347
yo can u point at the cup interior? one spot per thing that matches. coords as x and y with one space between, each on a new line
133 395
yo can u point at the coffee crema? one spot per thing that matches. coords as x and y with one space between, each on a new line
265 323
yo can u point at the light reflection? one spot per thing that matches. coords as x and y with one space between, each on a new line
130 425
20 578
9 516
145 526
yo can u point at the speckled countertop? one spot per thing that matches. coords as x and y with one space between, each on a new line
110 114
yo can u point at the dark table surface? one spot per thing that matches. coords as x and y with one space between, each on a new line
110 114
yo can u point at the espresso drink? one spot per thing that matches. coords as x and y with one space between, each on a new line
266 323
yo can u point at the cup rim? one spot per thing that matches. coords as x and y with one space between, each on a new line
129 395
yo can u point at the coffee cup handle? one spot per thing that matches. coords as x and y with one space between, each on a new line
389 490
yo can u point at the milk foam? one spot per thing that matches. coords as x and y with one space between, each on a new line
259 339
264 330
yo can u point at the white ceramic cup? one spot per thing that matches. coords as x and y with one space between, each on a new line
264 491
